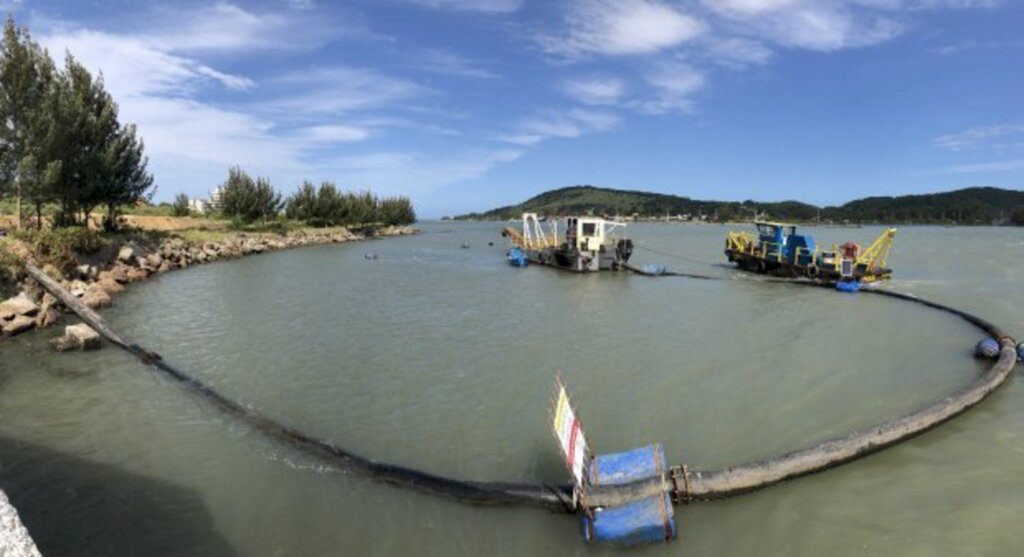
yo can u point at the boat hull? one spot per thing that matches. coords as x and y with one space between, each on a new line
577 261
774 267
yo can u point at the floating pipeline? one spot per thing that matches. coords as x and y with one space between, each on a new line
682 484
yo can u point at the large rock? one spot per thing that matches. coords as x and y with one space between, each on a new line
118 273
135 275
95 297
86 272
84 336
127 252
18 305
47 316
77 288
15 540
63 343
18 325
110 286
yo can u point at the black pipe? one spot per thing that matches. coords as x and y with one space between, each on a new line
697 485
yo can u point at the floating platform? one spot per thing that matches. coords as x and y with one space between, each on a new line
588 244
779 251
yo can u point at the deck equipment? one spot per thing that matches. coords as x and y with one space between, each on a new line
588 244
778 250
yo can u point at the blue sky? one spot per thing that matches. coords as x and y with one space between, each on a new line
469 104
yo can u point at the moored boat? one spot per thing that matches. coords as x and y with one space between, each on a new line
778 250
588 244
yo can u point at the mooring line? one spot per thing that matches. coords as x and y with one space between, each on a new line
706 485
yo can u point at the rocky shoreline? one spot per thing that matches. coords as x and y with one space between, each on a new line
101 278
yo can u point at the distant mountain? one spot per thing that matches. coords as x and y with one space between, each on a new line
966 206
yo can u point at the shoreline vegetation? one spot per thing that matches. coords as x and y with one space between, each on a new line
982 206
75 197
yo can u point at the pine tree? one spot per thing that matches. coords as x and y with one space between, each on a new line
26 75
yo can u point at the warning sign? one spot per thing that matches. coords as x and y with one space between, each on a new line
569 433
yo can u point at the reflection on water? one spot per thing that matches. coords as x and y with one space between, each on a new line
442 358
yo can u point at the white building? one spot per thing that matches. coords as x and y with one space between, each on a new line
198 206
216 198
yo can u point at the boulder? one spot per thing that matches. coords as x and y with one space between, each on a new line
110 286
154 260
135 275
18 305
119 273
127 252
47 316
83 335
86 272
77 288
96 298
164 267
18 325
63 344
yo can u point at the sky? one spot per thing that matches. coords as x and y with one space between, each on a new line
466 105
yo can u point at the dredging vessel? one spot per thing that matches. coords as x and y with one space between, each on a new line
778 250
588 244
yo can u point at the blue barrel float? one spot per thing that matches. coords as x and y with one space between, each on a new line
851 286
647 520
516 257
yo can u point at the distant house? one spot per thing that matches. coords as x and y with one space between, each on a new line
216 199
198 206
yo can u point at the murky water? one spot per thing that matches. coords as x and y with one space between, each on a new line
442 358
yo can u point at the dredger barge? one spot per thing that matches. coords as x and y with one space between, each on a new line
778 250
588 244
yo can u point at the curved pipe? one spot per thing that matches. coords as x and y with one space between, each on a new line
700 485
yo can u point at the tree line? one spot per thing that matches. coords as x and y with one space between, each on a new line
248 200
61 142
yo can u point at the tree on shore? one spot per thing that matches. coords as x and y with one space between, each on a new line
180 206
327 206
249 200
1018 216
61 141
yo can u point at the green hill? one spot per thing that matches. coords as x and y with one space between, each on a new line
966 206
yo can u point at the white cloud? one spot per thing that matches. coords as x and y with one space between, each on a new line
826 25
334 133
621 27
809 25
599 90
488 6
223 26
998 137
746 8
331 90
133 66
445 62
737 52
162 86
674 84
394 172
565 125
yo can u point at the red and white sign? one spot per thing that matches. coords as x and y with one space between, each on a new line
570 434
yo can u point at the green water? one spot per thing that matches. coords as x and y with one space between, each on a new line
442 358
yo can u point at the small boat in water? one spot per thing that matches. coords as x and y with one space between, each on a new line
516 257
778 250
587 246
